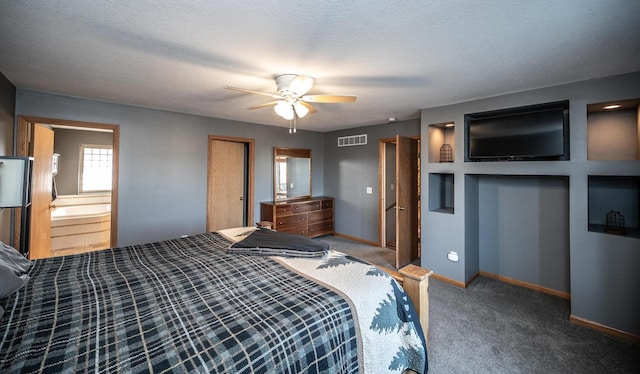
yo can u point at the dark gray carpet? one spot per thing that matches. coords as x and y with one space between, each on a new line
375 255
496 327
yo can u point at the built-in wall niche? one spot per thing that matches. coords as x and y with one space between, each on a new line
517 226
441 142
614 205
441 192
613 130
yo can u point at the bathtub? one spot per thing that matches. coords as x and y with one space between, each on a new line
76 228
80 211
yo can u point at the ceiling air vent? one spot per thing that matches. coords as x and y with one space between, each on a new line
347 141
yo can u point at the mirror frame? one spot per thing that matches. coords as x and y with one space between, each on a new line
290 152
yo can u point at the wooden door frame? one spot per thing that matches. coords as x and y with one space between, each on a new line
23 138
250 143
382 186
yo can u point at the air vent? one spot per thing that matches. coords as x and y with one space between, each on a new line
347 141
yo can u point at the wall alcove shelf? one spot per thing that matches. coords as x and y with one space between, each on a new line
613 130
614 194
439 135
441 192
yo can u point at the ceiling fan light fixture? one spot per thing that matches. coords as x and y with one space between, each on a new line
284 110
301 84
300 109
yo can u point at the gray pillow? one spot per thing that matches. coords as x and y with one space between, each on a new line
10 281
14 259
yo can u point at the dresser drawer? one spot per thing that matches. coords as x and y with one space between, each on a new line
283 210
320 215
321 228
298 230
327 204
306 207
293 220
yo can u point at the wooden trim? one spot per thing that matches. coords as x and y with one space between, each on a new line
531 286
23 149
358 239
605 329
451 281
64 122
501 278
292 152
470 280
297 153
251 171
382 188
114 185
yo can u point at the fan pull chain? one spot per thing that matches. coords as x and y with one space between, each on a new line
292 129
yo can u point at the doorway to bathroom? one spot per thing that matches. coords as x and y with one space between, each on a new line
74 185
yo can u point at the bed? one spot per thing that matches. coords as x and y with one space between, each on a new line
195 304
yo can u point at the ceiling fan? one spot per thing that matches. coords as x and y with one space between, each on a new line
291 101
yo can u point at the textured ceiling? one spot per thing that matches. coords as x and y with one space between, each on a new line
396 56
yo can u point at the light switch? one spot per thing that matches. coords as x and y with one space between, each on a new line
369 190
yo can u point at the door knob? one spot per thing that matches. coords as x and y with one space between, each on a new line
400 208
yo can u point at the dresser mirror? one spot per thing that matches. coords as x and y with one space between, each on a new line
292 173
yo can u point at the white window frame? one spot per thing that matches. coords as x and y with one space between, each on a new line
81 168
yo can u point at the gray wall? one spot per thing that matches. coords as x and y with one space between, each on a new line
604 280
67 144
163 161
350 170
7 111
524 228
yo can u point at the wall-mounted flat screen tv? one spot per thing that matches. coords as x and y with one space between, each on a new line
531 133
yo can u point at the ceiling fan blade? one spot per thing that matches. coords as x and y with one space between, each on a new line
270 103
308 106
275 96
329 98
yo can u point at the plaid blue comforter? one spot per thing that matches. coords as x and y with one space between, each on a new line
183 305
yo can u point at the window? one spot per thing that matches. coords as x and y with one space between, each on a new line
95 168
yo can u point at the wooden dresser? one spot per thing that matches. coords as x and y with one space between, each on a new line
309 217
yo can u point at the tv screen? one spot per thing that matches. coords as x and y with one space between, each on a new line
522 134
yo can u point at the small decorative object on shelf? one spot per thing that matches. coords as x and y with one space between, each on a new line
446 153
615 223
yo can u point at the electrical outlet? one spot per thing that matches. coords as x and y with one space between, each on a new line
369 190
452 256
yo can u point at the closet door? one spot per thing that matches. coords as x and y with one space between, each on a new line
229 183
